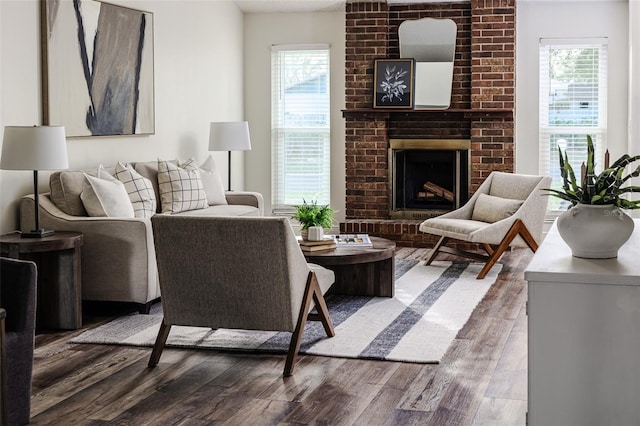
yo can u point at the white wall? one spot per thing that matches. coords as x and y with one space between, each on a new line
198 79
634 77
262 30
561 19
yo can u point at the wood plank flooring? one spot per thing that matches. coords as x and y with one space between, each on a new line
482 379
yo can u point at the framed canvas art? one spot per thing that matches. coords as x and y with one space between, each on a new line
393 83
97 68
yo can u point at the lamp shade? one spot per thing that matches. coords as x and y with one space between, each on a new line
34 148
229 136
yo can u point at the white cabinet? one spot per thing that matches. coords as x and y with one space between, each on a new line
584 336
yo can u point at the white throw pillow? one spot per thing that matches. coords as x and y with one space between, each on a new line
105 196
180 188
211 181
139 188
492 209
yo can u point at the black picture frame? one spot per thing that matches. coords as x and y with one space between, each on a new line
393 81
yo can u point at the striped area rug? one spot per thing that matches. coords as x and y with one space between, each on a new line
431 304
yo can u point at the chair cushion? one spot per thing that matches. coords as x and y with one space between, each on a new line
452 228
139 188
106 196
180 188
490 209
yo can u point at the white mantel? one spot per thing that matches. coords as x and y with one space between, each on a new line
584 335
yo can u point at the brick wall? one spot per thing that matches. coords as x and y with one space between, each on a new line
483 82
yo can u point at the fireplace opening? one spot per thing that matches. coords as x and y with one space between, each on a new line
428 177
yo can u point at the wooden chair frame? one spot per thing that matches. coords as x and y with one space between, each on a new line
493 252
312 293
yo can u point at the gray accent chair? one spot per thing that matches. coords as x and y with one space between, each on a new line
237 273
18 297
512 215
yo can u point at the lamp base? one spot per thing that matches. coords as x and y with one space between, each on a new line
38 233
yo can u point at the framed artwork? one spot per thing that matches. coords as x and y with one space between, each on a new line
393 83
97 68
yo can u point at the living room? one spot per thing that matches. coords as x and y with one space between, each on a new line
212 63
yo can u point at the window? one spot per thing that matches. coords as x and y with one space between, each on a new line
299 126
573 104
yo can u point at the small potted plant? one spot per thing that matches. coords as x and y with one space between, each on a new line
311 214
595 226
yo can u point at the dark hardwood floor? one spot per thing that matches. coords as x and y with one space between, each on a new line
482 379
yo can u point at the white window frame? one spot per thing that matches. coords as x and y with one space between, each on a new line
598 132
282 203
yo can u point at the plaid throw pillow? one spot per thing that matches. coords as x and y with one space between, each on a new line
139 188
210 180
180 188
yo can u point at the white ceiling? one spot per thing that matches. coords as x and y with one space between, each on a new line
274 6
267 6
258 6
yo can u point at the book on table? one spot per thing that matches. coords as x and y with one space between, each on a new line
327 243
318 247
326 240
353 240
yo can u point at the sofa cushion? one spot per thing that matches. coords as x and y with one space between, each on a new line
180 188
149 169
106 196
223 210
66 187
491 209
211 182
139 188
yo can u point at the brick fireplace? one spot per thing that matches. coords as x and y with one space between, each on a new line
481 111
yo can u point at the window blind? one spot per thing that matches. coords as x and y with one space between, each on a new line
300 127
573 104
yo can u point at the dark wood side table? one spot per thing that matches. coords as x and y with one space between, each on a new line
4 388
59 279
360 271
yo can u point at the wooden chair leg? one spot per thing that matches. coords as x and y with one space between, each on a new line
436 249
163 333
488 248
518 228
321 307
296 337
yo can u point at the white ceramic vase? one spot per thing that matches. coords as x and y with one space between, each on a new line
595 231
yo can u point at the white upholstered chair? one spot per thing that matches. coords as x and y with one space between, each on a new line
239 273
507 210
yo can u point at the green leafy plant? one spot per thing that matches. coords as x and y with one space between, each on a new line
602 189
313 215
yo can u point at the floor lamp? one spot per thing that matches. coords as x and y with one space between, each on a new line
34 148
229 136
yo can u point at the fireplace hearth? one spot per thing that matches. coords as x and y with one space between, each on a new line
428 177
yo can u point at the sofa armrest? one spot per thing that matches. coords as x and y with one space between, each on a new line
246 198
118 255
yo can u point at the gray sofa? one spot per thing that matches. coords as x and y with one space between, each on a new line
118 255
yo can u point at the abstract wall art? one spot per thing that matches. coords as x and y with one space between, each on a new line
97 68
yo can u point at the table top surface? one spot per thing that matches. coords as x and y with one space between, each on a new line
553 262
59 241
382 249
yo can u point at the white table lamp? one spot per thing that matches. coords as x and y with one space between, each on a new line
34 148
229 136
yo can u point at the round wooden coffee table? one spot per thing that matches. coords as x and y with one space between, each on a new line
360 271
